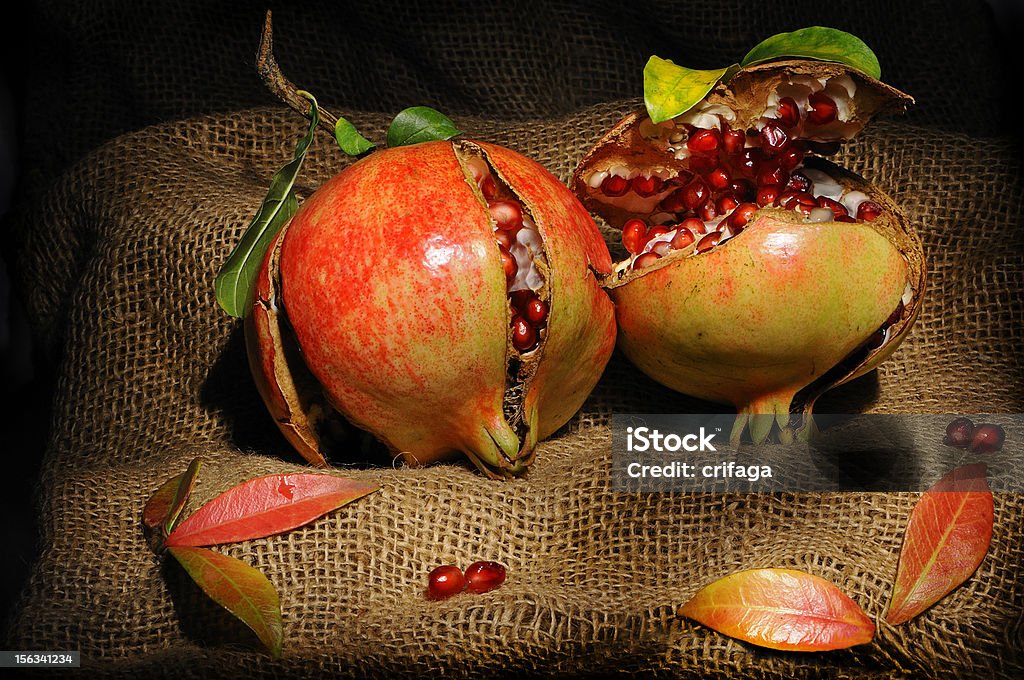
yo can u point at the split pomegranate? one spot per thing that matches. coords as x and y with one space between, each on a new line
761 274
445 581
443 296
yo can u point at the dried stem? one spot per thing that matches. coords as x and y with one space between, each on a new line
277 83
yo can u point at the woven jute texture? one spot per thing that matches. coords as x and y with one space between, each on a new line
123 255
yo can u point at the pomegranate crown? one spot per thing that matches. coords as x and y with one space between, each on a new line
671 90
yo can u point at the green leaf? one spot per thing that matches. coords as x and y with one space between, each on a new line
420 124
165 505
670 90
235 283
349 139
239 588
817 42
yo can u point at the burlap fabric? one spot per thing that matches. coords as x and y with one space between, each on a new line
117 261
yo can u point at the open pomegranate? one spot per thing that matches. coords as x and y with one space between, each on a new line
758 273
444 296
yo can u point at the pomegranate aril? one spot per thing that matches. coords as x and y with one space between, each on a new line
708 211
674 202
694 225
767 195
703 164
868 211
959 433
445 581
821 109
507 214
524 335
521 298
504 238
726 204
695 194
614 186
790 158
489 188
536 311
837 208
645 260
987 438
508 262
709 242
634 235
733 142
719 179
682 239
655 232
773 139
743 189
789 114
704 141
742 214
770 173
645 186
800 182
484 576
749 160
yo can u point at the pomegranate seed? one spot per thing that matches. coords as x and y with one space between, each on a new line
800 182
489 188
614 186
744 189
837 208
868 211
742 214
524 336
655 232
773 139
634 235
708 211
959 433
536 312
709 242
674 203
695 194
645 260
791 158
683 238
695 225
725 204
719 179
733 141
821 109
767 195
703 164
445 581
504 238
771 173
790 198
987 438
646 186
508 262
789 114
521 298
482 577
749 159
508 215
704 141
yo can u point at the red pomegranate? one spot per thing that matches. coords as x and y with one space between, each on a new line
443 296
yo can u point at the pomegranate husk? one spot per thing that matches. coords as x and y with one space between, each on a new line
419 357
746 323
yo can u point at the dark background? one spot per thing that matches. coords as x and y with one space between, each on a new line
65 89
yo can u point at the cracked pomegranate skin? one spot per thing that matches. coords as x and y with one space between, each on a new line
394 286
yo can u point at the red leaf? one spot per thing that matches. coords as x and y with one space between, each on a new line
946 539
781 609
265 506
239 588
164 506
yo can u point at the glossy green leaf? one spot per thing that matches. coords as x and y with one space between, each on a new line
817 42
349 139
420 124
235 283
670 90
239 588
164 506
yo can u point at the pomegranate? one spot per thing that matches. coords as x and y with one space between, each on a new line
443 296
807 277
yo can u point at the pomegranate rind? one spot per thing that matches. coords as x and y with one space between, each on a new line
753 322
581 324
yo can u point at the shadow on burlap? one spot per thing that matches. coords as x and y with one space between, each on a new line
119 261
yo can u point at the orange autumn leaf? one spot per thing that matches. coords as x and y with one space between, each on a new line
783 609
946 539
